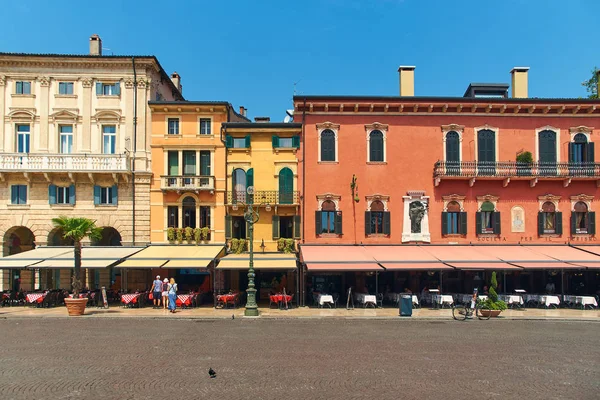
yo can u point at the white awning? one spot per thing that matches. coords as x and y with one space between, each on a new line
91 257
33 257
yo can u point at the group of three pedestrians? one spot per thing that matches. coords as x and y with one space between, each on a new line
167 290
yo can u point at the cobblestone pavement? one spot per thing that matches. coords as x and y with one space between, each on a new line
131 358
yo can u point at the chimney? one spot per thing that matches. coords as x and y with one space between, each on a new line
95 45
243 111
262 119
407 80
176 79
519 82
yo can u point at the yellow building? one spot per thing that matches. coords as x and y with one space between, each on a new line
187 191
262 170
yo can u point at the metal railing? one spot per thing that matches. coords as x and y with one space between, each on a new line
64 162
187 182
509 169
263 196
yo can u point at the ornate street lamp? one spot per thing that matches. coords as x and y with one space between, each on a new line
251 215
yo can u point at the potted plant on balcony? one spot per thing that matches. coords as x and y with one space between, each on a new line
524 161
171 234
242 246
289 246
197 235
235 243
189 233
495 306
77 229
204 232
280 244
179 234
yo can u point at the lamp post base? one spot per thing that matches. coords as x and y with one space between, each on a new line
251 312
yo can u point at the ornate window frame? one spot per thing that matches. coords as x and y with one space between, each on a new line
549 198
537 141
383 128
321 198
496 139
377 197
335 129
583 198
586 130
453 128
454 197
488 197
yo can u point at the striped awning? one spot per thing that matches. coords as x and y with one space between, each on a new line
173 256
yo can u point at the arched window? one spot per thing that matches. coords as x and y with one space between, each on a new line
582 221
376 146
328 217
377 210
488 219
189 212
580 150
328 145
239 185
486 152
549 218
452 217
452 153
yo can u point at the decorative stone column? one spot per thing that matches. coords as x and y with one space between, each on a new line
44 98
416 217
86 113
2 124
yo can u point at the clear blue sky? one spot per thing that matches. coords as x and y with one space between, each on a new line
251 52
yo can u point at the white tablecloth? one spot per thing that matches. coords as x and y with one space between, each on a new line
444 299
366 298
549 300
415 299
514 298
325 298
586 300
466 298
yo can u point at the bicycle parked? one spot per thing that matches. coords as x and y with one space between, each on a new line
464 311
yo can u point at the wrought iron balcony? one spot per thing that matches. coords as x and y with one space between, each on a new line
21 162
273 197
512 169
187 182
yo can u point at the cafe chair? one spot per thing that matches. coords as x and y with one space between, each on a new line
336 297
273 300
380 300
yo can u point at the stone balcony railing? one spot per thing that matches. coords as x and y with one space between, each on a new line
273 197
506 170
20 162
187 182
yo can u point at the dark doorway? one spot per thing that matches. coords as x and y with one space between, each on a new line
239 227
486 152
286 227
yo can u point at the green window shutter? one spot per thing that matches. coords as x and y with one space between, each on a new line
275 222
117 88
558 223
444 223
540 223
573 223
247 141
228 141
98 88
338 223
205 163
296 141
115 196
591 223
72 194
478 223
590 152
367 223
462 217
228 227
14 194
189 162
571 152
52 194
275 141
387 223
250 177
96 194
173 160
496 222
297 226
318 221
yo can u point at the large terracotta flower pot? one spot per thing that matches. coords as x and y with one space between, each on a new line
76 306
490 313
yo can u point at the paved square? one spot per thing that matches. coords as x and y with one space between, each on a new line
167 358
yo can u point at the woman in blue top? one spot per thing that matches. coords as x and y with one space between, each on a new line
172 295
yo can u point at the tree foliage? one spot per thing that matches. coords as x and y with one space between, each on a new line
591 85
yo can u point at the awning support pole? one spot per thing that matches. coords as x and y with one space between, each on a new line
376 283
504 284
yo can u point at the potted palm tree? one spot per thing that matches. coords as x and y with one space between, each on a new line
77 229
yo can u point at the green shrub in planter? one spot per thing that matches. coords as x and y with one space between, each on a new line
492 301
235 243
189 233
289 246
205 232
171 234
525 158
281 244
241 246
179 234
197 235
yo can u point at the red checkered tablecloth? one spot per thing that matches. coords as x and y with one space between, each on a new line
129 298
33 297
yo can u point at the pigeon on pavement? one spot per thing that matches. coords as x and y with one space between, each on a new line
212 373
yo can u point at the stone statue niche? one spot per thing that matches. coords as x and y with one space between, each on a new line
416 213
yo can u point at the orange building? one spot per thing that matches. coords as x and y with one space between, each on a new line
443 170
187 192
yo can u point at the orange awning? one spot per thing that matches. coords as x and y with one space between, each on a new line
340 267
543 265
567 254
407 266
459 254
482 265
405 253
335 254
513 254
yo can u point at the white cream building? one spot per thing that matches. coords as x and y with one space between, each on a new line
70 145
